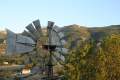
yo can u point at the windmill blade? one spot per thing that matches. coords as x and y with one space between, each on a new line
32 30
57 38
54 38
50 24
63 51
54 60
24 39
21 48
63 42
60 32
38 26
56 28
14 45
59 57
49 32
28 34
62 58
61 35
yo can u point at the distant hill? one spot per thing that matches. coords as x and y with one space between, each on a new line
2 36
76 33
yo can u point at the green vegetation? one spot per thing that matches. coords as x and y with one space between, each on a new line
92 62
94 54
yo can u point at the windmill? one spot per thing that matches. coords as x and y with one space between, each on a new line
33 40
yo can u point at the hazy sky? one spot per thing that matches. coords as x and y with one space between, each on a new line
16 14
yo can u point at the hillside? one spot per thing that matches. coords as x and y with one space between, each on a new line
2 36
81 42
76 33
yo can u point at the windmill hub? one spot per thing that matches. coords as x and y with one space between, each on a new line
49 47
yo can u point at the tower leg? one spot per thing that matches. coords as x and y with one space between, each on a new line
50 67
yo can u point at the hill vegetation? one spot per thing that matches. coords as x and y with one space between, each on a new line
94 53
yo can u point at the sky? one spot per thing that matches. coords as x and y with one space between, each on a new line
16 14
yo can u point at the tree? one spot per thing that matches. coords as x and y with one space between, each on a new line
111 47
92 62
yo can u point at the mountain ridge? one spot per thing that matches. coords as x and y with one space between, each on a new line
74 33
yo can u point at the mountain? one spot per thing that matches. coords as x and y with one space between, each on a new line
76 33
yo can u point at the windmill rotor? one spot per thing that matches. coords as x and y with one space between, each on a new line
33 39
